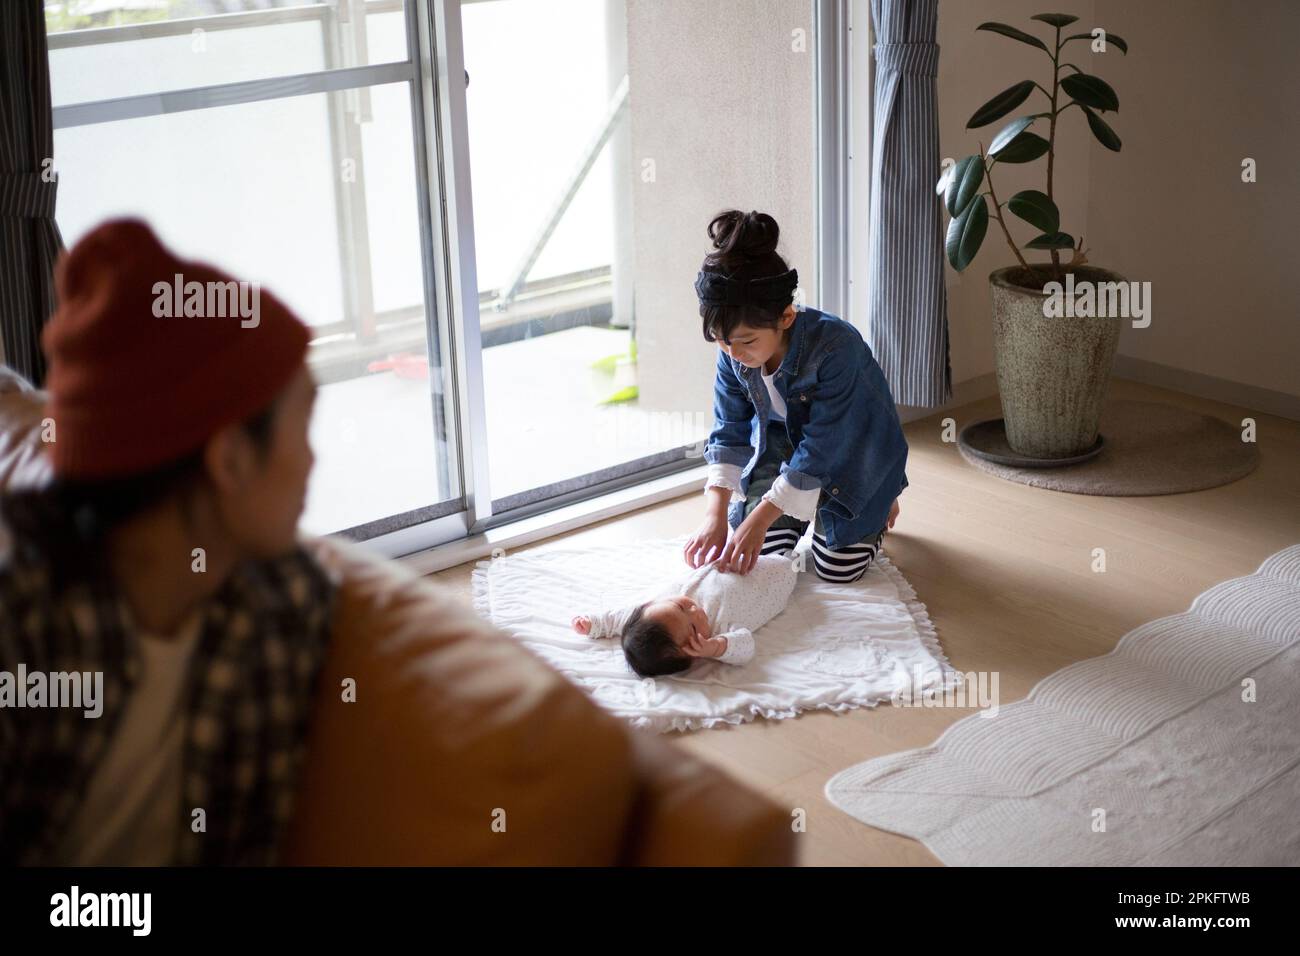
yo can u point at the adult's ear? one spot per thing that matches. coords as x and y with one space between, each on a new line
229 460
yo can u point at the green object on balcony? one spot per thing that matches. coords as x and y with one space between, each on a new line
621 365
628 394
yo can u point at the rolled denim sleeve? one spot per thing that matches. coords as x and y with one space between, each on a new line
733 415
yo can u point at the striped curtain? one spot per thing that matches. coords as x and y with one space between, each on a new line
29 238
907 300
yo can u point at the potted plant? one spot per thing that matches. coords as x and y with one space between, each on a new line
1052 371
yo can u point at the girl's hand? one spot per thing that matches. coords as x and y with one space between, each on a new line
697 646
893 514
741 552
582 624
708 541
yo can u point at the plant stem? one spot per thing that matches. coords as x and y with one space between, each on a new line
1051 141
997 210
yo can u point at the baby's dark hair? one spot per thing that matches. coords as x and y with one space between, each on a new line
649 648
744 247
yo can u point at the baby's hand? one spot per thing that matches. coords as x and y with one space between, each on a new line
697 646
582 624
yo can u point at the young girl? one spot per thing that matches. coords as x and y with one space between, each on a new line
805 424
162 558
706 613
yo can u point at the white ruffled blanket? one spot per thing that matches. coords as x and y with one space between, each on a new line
835 646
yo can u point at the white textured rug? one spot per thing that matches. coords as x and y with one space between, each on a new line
834 647
1157 739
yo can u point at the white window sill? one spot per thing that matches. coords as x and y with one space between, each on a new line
526 531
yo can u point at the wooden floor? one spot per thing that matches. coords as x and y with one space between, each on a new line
1005 571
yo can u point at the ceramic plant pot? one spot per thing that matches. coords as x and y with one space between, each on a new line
1052 370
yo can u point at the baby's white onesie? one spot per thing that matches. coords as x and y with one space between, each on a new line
735 604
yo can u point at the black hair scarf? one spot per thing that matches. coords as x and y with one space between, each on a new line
714 288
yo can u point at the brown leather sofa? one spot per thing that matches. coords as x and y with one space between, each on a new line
462 747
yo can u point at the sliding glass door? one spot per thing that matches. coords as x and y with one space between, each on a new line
567 404
287 144
490 212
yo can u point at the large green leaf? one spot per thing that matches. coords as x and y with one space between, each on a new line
1114 38
1009 132
1090 91
966 233
1001 105
1054 240
1055 19
1036 209
941 186
1025 148
1010 31
1101 129
967 176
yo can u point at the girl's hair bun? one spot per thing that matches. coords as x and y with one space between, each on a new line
737 235
744 248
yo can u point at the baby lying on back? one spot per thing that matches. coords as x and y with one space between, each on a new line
706 613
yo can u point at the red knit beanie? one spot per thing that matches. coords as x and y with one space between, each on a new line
149 354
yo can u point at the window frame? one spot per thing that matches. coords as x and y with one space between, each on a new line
451 313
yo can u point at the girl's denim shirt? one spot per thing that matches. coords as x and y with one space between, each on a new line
840 417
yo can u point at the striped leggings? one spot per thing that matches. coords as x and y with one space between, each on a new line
843 565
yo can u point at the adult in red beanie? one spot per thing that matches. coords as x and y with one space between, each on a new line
150 354
163 556
171 380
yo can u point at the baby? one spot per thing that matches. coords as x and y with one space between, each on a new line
707 613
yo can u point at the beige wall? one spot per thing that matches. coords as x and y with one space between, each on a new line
1206 83
723 106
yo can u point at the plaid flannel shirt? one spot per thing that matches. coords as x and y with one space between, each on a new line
251 683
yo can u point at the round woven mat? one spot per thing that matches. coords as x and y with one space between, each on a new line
1148 448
